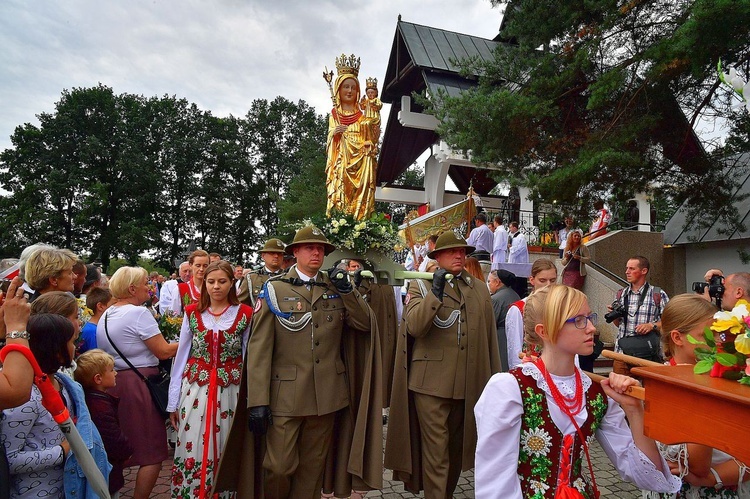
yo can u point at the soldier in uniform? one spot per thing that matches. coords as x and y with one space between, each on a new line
446 353
271 254
297 382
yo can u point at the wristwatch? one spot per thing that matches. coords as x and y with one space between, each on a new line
655 327
17 335
719 484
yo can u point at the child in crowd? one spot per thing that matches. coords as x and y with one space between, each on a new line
97 300
535 423
95 370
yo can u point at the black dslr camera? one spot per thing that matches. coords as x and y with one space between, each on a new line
618 312
715 288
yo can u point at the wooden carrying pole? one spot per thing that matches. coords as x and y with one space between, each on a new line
629 359
634 391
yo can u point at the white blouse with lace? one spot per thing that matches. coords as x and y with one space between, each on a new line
498 414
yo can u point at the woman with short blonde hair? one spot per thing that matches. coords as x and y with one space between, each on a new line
124 278
51 269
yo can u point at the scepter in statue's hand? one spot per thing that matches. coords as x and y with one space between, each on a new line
328 77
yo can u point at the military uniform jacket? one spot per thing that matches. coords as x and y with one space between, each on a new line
358 438
251 286
294 363
445 349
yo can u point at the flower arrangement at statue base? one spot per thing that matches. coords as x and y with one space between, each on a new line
346 232
728 345
170 324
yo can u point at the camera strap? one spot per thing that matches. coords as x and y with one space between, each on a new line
641 299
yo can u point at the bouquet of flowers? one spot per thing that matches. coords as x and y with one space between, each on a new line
170 324
725 351
344 231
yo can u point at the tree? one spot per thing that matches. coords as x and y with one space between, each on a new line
119 175
279 137
79 180
588 102
306 195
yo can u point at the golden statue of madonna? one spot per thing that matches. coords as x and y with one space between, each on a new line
353 135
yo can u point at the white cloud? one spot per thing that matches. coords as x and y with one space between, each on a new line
219 54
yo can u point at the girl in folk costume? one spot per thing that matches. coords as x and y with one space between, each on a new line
189 292
705 472
206 379
543 273
535 423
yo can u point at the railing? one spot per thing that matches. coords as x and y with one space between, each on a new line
609 274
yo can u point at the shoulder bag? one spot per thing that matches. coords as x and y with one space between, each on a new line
157 384
643 346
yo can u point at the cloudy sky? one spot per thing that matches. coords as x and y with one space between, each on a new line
219 54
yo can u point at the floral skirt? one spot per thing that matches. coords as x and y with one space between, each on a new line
189 471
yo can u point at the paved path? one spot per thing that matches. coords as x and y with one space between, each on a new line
607 479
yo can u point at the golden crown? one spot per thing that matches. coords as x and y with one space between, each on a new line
348 65
371 83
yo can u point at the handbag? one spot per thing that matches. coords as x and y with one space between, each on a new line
643 346
157 384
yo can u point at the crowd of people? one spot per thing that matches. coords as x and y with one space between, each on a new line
280 375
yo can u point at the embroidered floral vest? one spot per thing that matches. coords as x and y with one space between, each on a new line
222 350
540 457
185 296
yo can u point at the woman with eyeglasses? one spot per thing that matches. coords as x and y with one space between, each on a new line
534 423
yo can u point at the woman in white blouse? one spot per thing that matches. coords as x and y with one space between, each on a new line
534 423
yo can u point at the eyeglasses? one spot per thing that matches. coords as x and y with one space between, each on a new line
580 321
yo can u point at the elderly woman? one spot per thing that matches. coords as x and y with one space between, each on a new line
351 149
135 332
51 269
574 261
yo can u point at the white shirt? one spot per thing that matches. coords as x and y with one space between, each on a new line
519 251
419 251
129 327
499 246
514 334
168 292
186 343
562 235
498 415
481 238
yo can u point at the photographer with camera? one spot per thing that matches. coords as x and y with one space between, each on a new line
636 312
726 290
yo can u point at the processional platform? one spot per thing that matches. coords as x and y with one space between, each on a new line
681 406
